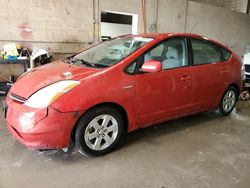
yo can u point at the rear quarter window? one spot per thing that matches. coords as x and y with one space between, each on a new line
225 54
204 52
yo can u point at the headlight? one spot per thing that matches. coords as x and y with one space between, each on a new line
243 75
49 94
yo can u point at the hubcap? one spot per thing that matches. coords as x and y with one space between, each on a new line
101 132
229 101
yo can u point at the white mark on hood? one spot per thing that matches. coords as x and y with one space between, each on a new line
67 74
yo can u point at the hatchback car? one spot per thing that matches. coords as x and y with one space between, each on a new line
120 85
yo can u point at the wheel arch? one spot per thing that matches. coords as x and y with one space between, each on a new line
237 87
114 105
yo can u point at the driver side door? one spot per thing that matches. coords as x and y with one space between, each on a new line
166 94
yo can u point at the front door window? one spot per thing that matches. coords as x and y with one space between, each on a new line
172 53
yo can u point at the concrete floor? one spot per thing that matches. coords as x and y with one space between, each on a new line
204 150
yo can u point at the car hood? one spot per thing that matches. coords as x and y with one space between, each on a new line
45 75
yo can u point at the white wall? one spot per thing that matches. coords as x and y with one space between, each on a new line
114 30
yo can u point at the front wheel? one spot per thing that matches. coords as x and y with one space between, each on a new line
228 101
99 131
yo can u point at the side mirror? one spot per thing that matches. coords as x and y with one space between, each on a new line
151 66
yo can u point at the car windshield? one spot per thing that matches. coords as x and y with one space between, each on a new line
110 52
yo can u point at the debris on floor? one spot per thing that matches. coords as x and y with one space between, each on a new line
245 95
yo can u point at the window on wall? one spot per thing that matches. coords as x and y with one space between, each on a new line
114 24
204 52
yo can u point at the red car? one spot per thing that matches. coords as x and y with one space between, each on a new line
120 85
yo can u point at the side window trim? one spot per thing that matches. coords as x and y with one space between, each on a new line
137 60
190 52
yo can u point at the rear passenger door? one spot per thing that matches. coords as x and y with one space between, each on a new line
210 74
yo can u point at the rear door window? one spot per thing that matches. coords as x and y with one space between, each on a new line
204 52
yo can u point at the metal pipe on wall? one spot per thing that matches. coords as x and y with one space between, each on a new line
96 20
153 25
143 15
186 15
155 17
156 14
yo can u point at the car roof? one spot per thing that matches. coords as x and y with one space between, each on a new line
166 35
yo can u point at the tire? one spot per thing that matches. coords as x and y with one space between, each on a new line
99 131
228 101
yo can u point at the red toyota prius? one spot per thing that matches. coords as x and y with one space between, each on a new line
118 86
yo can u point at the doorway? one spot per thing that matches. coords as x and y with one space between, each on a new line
114 24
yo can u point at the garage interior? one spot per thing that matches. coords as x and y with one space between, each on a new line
203 150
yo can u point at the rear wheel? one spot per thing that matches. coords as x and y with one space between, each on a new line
99 131
228 101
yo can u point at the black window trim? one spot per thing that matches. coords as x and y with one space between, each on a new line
141 59
125 70
226 59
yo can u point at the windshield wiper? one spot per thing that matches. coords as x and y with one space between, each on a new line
84 62
100 65
67 60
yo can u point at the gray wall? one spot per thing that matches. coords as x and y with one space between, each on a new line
58 25
171 15
236 5
228 27
67 26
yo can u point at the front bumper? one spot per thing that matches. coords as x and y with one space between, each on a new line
247 80
39 128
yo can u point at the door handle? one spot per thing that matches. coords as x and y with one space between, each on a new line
224 71
185 78
128 87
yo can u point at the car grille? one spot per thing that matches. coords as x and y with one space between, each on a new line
247 68
247 78
17 98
